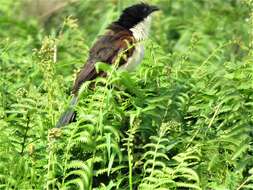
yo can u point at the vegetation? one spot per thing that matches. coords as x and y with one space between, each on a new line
183 120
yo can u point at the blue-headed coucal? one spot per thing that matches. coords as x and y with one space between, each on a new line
129 30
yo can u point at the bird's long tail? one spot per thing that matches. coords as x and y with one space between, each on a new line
69 115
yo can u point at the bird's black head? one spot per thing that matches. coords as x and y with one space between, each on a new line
134 14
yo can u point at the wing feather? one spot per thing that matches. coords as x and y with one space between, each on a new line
106 49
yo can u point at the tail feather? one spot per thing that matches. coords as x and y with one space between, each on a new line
69 115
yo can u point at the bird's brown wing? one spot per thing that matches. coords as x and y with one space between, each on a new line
106 49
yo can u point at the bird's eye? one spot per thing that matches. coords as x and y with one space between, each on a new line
145 9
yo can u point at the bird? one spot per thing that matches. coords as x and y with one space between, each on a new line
123 36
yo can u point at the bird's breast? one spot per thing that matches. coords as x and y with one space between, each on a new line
135 59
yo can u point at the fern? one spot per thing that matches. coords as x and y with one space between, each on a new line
182 120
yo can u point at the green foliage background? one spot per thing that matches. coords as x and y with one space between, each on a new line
183 120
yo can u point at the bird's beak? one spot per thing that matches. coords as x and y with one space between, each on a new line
154 8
